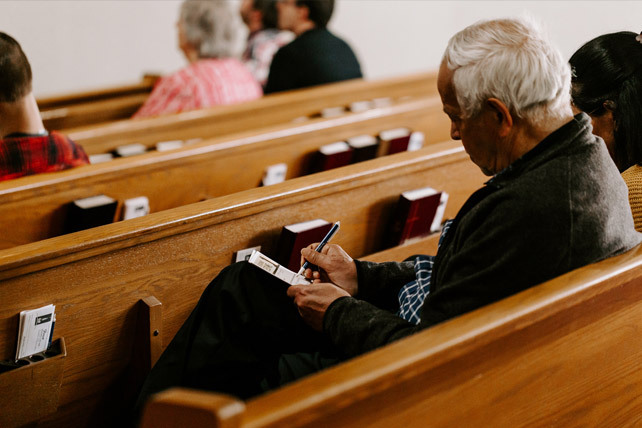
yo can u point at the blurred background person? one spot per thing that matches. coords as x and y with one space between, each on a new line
607 85
316 56
25 146
264 39
207 34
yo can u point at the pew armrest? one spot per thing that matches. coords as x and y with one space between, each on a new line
180 407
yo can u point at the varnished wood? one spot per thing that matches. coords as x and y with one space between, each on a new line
564 353
32 392
201 410
96 277
92 112
264 112
143 87
151 326
193 173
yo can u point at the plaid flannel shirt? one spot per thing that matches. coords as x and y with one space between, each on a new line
413 294
204 83
22 155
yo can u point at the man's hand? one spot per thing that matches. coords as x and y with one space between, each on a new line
313 300
336 266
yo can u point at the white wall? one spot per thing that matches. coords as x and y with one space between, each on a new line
83 44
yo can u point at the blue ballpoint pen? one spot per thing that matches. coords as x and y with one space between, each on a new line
325 240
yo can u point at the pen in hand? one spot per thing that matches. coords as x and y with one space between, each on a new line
325 240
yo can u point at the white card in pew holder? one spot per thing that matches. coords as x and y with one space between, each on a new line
34 330
270 266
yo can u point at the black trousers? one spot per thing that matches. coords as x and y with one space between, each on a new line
244 337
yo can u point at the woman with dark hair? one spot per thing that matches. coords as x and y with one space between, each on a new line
607 85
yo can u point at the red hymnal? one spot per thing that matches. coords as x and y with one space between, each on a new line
333 156
394 141
296 236
364 147
418 213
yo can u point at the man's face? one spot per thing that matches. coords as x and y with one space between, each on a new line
288 13
246 8
476 134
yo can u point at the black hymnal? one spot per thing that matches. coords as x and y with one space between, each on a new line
364 147
90 212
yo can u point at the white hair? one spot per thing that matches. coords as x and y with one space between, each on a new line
211 26
511 60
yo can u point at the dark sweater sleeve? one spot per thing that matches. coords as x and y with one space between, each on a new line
379 283
357 325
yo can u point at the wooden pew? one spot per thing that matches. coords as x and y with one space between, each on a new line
96 277
65 111
190 174
264 112
564 353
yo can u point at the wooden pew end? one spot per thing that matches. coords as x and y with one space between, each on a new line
149 344
180 407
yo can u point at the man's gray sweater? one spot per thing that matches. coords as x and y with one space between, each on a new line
560 206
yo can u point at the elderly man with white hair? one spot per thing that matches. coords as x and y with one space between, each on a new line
208 31
555 202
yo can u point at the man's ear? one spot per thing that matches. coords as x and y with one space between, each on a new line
501 115
304 13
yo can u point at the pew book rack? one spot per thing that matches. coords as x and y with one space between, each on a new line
29 389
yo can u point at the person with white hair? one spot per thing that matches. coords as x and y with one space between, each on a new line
554 202
208 31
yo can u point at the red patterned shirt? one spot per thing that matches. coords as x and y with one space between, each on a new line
22 155
204 83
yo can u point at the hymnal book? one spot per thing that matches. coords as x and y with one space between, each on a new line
364 147
100 158
295 237
416 141
359 106
90 212
274 174
135 207
130 150
418 213
34 330
164 146
332 156
382 102
332 112
394 141
270 266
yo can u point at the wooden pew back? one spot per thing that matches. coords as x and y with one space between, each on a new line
564 353
264 112
205 170
95 106
96 277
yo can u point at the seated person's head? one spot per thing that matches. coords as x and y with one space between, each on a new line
207 29
307 13
259 14
15 71
607 85
504 88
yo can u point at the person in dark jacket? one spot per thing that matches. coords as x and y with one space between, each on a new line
555 201
316 56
